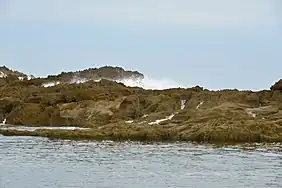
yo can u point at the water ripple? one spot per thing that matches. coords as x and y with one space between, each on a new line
39 162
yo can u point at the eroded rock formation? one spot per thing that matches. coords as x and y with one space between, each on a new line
277 86
113 110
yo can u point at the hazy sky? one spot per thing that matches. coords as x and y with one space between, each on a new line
212 43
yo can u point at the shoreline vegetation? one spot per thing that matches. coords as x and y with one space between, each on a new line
96 99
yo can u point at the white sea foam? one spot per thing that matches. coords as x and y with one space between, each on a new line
150 83
146 83
161 120
183 104
29 77
50 84
77 80
251 113
199 105
3 122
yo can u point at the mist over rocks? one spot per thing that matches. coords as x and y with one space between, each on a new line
101 99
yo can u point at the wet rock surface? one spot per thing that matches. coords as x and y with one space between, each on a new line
114 111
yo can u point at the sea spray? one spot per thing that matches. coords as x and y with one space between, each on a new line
146 82
50 84
150 83
77 80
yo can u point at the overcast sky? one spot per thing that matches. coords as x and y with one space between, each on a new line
215 44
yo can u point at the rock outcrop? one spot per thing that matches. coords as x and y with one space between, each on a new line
95 74
115 111
277 86
6 72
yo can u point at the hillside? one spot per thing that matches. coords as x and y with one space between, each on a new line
114 111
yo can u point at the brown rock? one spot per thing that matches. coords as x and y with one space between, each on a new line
277 86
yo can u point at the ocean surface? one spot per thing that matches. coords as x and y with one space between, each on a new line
34 162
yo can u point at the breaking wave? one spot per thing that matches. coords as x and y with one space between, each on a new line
146 83
151 83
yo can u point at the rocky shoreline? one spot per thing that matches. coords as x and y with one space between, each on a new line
94 98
